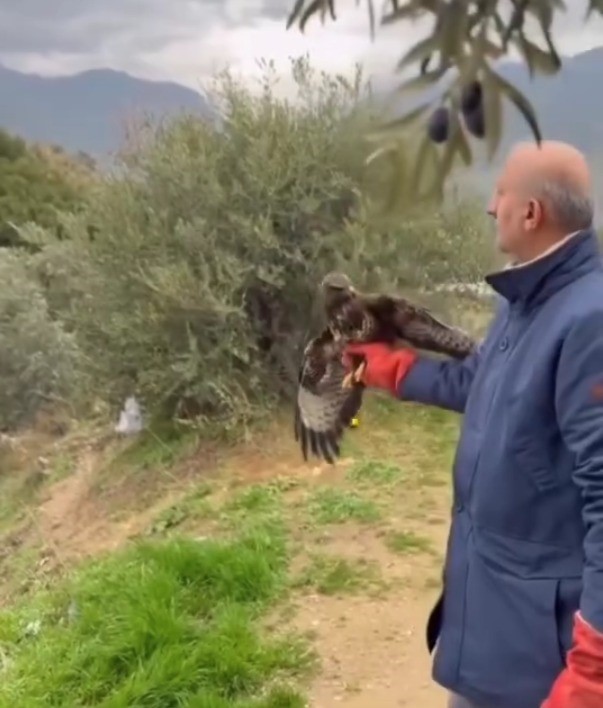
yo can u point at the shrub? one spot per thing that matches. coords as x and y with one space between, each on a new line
37 356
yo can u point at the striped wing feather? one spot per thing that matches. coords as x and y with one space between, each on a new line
324 409
401 319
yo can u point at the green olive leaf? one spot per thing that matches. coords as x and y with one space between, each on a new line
399 123
520 102
493 112
538 60
419 51
422 80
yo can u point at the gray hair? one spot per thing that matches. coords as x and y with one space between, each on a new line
571 208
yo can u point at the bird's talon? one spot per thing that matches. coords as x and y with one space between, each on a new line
359 373
348 380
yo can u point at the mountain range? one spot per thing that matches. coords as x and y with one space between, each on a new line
86 112
568 104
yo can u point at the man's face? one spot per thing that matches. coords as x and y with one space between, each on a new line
516 214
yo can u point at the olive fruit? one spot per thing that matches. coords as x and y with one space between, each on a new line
438 126
475 121
471 97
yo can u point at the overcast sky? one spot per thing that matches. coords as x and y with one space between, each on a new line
189 40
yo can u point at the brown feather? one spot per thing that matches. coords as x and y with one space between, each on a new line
400 319
324 409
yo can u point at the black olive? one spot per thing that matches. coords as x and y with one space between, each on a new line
471 97
438 126
475 121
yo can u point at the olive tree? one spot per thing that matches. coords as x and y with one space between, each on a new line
191 276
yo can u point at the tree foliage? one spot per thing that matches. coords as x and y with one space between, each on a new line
36 184
197 291
466 39
38 357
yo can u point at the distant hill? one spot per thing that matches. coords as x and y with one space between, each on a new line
569 105
86 111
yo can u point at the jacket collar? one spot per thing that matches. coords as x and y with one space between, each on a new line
533 282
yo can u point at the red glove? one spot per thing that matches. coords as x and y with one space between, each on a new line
385 367
580 685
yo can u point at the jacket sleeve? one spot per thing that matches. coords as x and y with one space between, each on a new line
445 384
579 405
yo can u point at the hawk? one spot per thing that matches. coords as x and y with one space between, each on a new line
328 397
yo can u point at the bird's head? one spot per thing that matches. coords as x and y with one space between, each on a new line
337 283
337 289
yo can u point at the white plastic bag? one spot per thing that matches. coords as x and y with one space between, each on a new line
130 419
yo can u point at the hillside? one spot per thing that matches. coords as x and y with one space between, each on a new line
86 111
234 578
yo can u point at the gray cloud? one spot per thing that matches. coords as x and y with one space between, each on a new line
85 26
185 39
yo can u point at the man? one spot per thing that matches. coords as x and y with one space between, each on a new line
522 615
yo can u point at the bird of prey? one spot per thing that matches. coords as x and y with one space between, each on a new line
328 397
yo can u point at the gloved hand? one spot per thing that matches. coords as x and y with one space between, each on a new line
580 685
385 368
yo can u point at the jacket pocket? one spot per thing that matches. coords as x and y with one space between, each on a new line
531 454
510 647
567 603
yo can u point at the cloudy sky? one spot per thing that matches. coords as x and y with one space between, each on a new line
189 40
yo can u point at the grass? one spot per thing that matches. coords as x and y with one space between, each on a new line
255 499
157 447
333 506
149 456
407 542
163 624
172 621
375 472
194 505
333 575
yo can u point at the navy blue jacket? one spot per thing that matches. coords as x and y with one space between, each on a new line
525 549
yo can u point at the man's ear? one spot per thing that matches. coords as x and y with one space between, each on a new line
534 215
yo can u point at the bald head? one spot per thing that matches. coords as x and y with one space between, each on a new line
544 193
558 175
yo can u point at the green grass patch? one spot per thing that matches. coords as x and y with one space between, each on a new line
255 499
156 447
194 506
407 542
62 466
163 624
333 506
255 506
408 435
332 575
374 472
18 492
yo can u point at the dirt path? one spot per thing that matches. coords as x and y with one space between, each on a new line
372 645
372 649
373 653
74 523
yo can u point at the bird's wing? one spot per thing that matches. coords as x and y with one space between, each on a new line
419 327
324 409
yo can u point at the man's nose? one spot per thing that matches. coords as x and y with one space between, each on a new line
491 210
